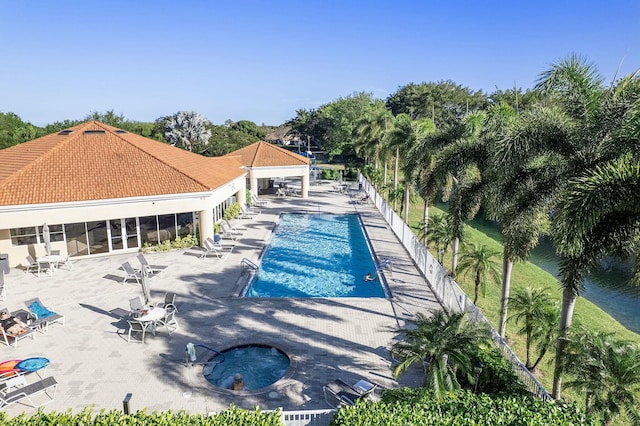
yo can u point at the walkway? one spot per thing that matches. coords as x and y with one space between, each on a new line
326 338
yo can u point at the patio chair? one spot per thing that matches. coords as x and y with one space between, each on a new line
131 273
38 267
28 331
338 393
168 321
150 269
20 391
169 301
136 306
62 260
41 313
136 327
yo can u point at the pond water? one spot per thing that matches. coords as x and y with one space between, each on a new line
607 287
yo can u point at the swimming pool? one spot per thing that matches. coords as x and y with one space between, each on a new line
316 255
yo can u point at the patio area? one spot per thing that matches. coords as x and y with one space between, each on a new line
327 339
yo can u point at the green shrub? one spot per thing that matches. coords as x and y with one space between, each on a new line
230 416
186 241
330 174
422 406
232 211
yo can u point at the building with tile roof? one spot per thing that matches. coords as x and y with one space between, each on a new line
103 190
266 163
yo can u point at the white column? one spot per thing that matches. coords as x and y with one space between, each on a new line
241 196
305 185
253 184
206 224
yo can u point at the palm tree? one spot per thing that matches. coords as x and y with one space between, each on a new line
600 216
439 233
443 344
188 130
478 260
401 134
607 371
369 132
533 311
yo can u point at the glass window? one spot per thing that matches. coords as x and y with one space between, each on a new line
97 237
55 233
24 236
76 239
167 227
185 224
149 230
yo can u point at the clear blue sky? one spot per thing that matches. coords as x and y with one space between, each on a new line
263 60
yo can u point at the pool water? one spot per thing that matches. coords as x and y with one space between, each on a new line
260 366
316 255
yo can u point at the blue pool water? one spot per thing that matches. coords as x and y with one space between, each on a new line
259 366
316 255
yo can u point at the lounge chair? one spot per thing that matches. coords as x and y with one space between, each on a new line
256 201
228 231
211 247
338 393
131 273
150 269
28 331
62 259
248 213
40 312
19 390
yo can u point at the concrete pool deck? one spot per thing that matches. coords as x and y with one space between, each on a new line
326 338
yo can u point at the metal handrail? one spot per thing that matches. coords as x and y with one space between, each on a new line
248 264
190 361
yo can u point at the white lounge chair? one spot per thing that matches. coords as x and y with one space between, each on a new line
228 231
210 248
150 269
29 332
130 273
255 201
248 213
40 312
18 390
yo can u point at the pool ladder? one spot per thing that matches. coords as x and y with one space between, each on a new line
248 265
191 357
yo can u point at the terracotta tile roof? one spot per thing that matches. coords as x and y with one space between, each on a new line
95 161
265 154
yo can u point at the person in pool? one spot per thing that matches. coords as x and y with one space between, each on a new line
369 277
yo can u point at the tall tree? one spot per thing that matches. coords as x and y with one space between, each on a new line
443 344
479 262
529 312
443 102
607 372
187 129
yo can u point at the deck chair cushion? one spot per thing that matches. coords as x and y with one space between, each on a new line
39 310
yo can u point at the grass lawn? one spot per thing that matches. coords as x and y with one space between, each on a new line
523 275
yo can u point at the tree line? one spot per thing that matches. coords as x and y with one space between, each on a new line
185 129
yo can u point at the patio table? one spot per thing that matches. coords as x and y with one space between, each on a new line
149 318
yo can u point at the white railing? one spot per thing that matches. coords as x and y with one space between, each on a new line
308 417
445 288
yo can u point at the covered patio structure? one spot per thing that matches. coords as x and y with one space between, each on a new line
266 162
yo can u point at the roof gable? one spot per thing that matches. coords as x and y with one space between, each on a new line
264 154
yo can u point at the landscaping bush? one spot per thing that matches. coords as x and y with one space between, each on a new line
230 416
425 407
232 211
330 174
187 241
